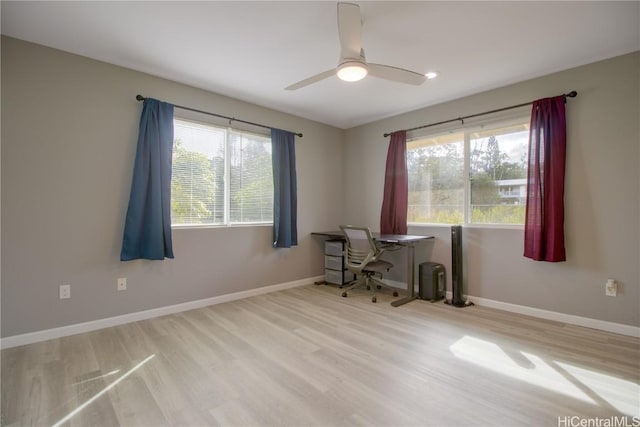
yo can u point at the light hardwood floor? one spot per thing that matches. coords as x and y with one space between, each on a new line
306 356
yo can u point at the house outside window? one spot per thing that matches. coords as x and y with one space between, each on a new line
220 176
475 175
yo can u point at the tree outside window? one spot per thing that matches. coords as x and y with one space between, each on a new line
220 176
494 160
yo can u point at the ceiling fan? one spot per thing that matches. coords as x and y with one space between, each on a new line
353 66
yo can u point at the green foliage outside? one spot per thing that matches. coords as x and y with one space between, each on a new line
436 183
439 216
197 184
498 214
251 174
194 187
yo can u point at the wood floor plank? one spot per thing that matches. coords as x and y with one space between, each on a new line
308 357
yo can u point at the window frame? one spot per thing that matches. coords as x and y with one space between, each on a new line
227 175
515 118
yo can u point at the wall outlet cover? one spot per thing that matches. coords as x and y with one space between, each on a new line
611 288
65 291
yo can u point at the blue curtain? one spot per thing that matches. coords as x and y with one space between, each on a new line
147 230
285 198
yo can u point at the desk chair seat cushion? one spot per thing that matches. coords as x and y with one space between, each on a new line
378 266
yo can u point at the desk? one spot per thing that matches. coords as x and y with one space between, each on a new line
407 240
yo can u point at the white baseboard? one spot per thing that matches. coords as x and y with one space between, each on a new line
603 325
571 319
63 331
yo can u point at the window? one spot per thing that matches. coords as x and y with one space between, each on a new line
220 176
494 158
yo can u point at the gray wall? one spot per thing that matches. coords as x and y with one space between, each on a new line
69 126
602 197
68 144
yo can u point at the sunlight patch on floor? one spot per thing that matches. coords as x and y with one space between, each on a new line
108 374
536 371
103 391
622 394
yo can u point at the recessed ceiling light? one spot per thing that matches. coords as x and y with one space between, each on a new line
431 75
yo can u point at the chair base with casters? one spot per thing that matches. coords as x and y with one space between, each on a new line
368 280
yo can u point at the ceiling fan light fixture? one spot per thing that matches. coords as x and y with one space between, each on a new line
352 65
352 71
431 75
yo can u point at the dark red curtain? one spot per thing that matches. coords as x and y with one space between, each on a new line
393 218
544 219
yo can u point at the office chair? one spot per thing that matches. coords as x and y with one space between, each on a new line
362 258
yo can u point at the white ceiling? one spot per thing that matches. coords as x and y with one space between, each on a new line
253 50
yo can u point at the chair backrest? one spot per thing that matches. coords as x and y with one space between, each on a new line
361 248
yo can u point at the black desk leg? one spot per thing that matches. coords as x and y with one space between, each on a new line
410 280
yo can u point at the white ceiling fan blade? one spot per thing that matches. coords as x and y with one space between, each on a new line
349 27
311 80
396 74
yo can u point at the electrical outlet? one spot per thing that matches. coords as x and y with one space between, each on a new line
611 288
65 291
122 284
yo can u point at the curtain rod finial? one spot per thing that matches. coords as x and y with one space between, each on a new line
140 97
572 94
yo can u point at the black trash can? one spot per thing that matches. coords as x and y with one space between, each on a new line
432 282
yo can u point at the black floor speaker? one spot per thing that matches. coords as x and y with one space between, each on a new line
457 299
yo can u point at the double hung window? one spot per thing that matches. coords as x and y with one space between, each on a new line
474 175
220 176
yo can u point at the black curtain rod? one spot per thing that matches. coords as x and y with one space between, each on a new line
142 98
571 94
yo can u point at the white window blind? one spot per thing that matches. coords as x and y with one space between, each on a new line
220 176
251 179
